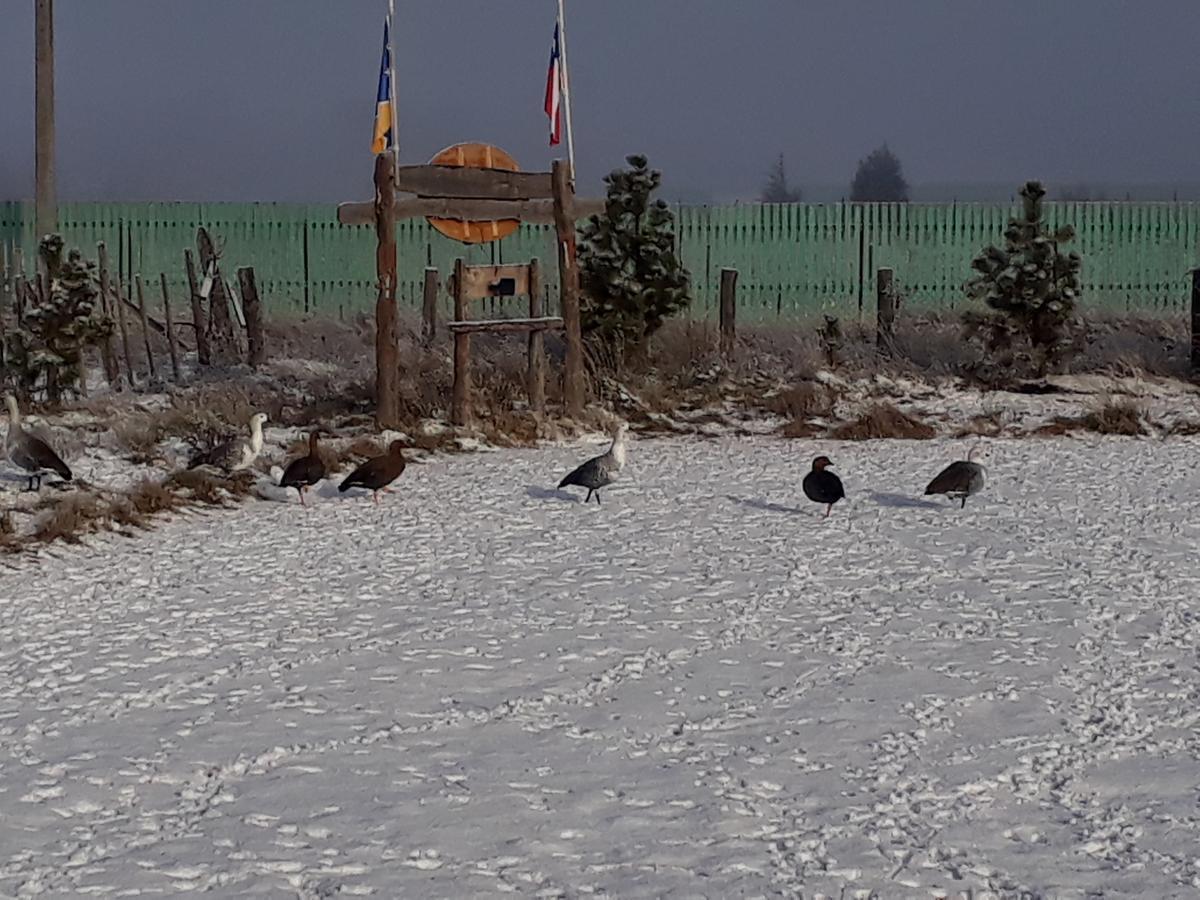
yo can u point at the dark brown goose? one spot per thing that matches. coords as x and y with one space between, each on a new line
30 453
306 471
822 486
961 478
376 474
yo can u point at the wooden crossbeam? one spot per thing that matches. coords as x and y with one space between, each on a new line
533 211
464 182
506 326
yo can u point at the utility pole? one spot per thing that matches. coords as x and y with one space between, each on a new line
47 203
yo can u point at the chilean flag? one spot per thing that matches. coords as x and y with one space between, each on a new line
554 92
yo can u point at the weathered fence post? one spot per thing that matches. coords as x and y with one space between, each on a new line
169 323
387 365
1196 320
568 269
885 312
256 345
19 285
728 312
108 355
199 321
429 300
137 280
222 340
460 406
124 329
537 354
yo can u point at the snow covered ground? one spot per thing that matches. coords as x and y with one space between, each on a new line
699 688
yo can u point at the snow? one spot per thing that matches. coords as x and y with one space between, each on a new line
699 688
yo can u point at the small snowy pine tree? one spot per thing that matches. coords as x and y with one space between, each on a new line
46 352
632 280
777 189
879 179
1029 286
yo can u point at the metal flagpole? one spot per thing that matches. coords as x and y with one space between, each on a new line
394 87
566 87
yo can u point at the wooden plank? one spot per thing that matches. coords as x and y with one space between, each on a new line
470 183
537 212
536 365
568 268
506 326
478 281
123 328
198 319
460 402
387 363
728 312
885 312
256 348
1195 320
108 355
141 306
172 344
429 299
222 341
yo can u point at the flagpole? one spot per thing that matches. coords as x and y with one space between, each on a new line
566 87
394 86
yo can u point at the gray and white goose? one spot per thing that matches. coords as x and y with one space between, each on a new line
961 478
30 453
235 452
600 471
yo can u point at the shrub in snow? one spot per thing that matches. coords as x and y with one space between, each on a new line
46 352
1029 288
632 280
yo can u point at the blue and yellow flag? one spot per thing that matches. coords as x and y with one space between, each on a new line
384 135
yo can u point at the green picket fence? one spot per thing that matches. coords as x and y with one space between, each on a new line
794 260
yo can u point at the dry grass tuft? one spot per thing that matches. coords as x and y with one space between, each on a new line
152 497
883 420
803 401
69 518
984 425
1113 417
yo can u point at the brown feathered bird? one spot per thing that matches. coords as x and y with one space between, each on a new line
306 471
376 474
28 452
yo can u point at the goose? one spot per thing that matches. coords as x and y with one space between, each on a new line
304 472
28 452
822 486
600 471
961 478
234 453
377 473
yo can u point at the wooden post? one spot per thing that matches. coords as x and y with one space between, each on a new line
47 209
387 365
429 306
728 312
108 354
568 276
169 321
460 408
124 329
256 345
221 339
199 322
885 312
141 302
1196 320
19 285
537 354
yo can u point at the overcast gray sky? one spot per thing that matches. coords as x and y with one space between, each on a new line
273 99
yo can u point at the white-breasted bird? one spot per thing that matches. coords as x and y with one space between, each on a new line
600 471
